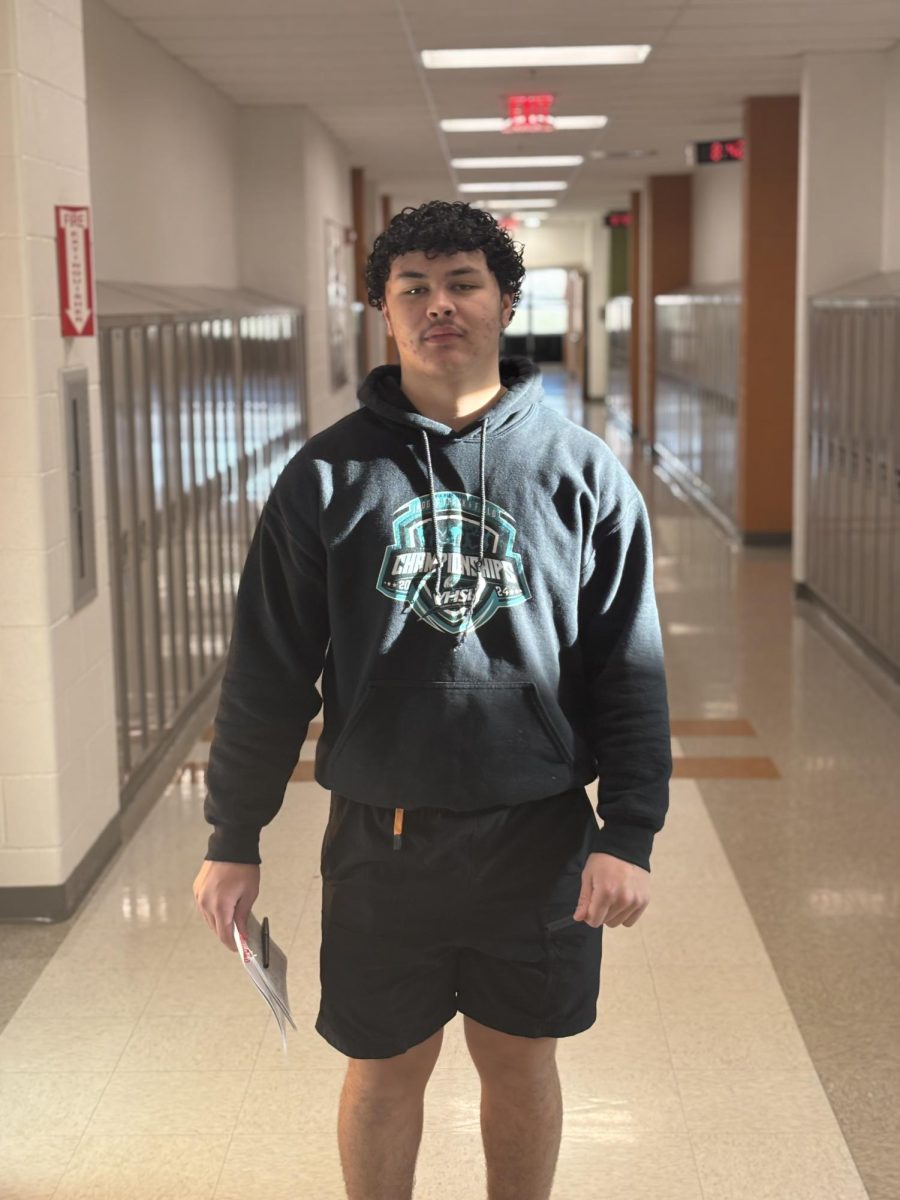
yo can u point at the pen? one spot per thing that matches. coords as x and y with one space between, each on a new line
265 941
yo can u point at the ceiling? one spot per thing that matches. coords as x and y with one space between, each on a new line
355 64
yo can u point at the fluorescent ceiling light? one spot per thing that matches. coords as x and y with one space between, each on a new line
542 185
515 202
536 56
498 124
621 153
512 160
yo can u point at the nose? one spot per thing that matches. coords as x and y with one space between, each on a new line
441 303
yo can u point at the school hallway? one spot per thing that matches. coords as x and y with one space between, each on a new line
260 261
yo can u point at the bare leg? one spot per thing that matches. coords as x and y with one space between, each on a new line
521 1111
521 1124
380 1122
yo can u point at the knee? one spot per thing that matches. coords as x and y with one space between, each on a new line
400 1076
499 1055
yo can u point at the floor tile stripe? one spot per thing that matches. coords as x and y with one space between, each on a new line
712 727
690 767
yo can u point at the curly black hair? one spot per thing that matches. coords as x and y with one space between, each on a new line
443 227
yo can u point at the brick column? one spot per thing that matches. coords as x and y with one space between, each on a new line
765 443
669 267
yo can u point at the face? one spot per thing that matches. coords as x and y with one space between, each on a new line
446 314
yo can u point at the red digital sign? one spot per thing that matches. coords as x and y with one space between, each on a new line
619 220
730 150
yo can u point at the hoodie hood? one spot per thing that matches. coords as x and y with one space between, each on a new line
382 394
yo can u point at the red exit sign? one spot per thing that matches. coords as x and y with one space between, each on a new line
618 220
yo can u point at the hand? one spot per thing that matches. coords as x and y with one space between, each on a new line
224 893
613 892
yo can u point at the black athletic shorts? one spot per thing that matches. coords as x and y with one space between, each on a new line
472 914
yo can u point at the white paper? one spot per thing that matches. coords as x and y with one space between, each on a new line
271 981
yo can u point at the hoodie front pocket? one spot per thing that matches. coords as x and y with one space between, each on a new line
465 746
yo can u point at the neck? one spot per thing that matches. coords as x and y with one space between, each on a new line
453 402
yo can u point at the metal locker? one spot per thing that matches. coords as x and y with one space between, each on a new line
158 538
176 557
204 538
815 492
180 458
111 372
882 393
831 394
834 509
217 498
894 399
867 417
199 335
841 555
147 539
182 371
854 462
855 407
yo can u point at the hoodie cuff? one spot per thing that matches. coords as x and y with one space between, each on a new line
632 843
234 843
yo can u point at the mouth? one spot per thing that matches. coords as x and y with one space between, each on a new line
443 335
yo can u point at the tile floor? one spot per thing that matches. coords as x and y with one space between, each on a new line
143 1063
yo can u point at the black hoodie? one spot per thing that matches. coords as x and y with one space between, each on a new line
507 653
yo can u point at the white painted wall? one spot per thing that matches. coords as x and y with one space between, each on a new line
162 153
270 194
326 193
291 175
841 223
716 209
58 761
556 244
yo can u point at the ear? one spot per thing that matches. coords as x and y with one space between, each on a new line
505 310
387 319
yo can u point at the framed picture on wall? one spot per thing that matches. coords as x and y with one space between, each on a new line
338 298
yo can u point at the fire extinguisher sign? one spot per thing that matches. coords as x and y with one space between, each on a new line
74 258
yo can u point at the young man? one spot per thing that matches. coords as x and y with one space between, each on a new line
482 567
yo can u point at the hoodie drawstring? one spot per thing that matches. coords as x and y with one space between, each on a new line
437 567
479 569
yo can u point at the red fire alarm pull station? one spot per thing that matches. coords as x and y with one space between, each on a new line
74 257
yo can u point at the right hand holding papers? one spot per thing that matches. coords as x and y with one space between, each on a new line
271 980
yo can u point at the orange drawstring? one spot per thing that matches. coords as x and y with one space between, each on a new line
398 827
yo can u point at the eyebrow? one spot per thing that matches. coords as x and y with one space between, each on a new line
422 275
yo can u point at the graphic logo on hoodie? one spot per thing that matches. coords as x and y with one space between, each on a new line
409 569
